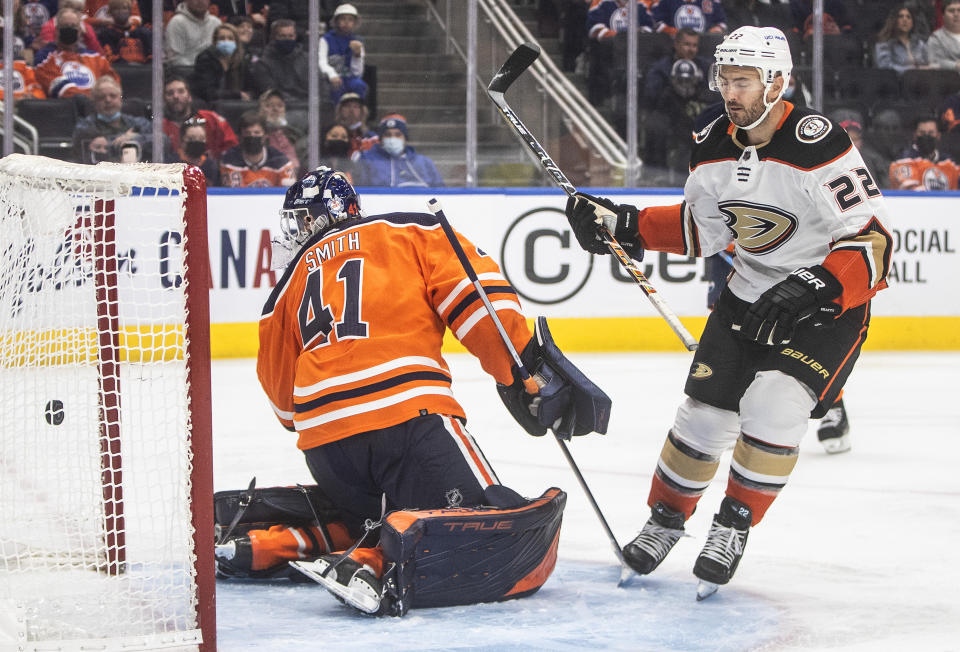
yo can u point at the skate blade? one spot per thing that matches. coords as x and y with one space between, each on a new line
363 601
705 589
836 445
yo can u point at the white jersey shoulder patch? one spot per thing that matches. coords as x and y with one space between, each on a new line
813 128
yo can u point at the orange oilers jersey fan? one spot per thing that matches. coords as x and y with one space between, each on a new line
336 368
920 173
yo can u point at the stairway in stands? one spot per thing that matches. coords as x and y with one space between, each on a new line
417 78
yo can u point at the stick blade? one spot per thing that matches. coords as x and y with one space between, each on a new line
513 67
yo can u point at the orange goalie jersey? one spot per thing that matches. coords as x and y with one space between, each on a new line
350 338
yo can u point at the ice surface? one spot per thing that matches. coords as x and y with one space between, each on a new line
857 553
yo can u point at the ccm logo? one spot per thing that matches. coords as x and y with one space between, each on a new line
479 526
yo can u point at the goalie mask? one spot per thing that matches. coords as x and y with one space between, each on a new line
763 48
316 202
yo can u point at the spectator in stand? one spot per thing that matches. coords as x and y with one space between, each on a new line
686 42
193 150
352 114
281 135
101 15
943 48
189 32
122 38
874 160
342 54
283 66
335 152
921 166
48 33
836 18
63 68
34 15
109 121
19 31
249 36
605 20
220 72
670 120
24 77
253 163
699 15
297 11
227 10
899 47
797 93
178 108
394 163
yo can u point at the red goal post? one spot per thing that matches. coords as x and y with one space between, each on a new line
106 491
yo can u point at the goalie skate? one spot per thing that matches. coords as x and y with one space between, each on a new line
723 550
659 534
834 430
350 582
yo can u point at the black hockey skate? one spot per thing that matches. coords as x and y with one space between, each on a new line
724 547
352 583
659 534
834 430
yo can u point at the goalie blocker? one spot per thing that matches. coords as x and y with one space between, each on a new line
456 556
568 402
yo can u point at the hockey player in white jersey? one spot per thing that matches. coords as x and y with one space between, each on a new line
807 220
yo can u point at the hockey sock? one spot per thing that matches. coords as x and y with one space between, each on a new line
758 472
282 543
372 557
683 474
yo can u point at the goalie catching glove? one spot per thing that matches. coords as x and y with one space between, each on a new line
807 292
587 214
568 402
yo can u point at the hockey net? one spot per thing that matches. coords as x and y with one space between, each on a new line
105 465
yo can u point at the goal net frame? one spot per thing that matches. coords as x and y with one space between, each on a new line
102 188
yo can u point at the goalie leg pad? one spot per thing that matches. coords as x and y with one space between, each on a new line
586 408
446 557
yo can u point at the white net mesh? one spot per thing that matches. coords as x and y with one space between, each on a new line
95 457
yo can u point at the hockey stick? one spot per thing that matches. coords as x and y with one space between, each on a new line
521 59
528 381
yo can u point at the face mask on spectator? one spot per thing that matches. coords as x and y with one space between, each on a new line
279 122
393 144
97 157
194 148
285 46
68 35
252 144
926 144
336 147
108 118
226 48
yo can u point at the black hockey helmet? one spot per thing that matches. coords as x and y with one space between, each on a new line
321 198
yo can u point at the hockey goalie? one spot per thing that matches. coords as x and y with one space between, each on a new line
407 512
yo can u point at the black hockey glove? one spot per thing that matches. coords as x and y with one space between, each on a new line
568 402
587 214
807 292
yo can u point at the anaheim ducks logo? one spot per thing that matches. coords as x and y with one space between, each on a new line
701 371
813 128
758 229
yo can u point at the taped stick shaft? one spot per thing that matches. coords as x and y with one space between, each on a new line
472 275
520 60
437 210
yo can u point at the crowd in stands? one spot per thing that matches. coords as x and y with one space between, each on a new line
892 72
237 71
235 89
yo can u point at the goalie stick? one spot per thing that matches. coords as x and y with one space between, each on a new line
521 59
528 381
